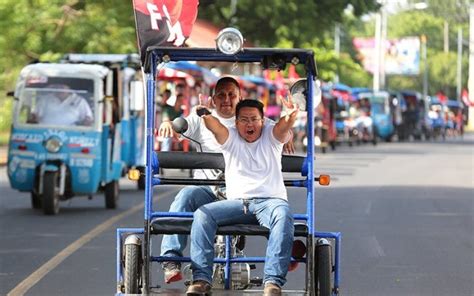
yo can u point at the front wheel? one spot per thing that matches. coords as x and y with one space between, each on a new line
50 193
323 268
132 269
111 194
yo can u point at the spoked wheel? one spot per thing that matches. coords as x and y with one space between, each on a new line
132 270
50 200
323 268
111 194
35 200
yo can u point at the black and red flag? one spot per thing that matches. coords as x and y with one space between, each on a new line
163 22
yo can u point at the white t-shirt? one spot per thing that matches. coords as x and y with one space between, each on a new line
198 131
73 110
253 169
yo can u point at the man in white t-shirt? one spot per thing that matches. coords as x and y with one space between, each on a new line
225 98
255 192
62 107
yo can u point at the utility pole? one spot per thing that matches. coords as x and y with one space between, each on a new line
446 36
337 47
378 51
459 66
425 64
383 48
470 124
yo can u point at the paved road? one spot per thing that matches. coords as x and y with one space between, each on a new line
405 211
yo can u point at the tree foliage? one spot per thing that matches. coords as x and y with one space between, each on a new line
266 23
44 30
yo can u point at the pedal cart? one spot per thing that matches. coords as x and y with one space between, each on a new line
231 267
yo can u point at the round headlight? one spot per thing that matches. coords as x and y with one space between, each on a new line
229 41
53 144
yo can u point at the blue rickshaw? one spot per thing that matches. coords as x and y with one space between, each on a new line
54 155
126 77
381 115
134 253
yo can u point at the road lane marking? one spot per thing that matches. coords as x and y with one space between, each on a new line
376 247
41 272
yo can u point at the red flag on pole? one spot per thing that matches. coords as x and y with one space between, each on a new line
163 22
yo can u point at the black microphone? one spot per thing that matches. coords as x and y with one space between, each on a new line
180 125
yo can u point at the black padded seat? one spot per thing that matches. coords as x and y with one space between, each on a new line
182 225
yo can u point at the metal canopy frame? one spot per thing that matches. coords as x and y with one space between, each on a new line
156 55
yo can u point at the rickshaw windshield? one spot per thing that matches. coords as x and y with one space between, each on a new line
378 108
59 102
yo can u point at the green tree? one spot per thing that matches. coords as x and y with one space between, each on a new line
266 23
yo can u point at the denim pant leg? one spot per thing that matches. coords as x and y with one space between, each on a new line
275 214
189 199
206 220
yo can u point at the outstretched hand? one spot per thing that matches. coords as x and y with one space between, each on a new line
203 107
292 109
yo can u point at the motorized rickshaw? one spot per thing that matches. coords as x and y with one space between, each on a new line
127 81
361 112
232 271
346 130
65 139
414 116
380 114
455 115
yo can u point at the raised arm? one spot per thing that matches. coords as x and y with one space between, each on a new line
282 129
220 132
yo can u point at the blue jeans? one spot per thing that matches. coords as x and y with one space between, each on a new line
272 213
188 199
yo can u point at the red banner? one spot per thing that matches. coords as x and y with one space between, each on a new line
163 22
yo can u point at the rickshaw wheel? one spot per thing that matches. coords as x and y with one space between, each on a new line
50 193
35 201
111 194
323 268
132 269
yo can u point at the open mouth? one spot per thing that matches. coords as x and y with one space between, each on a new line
250 132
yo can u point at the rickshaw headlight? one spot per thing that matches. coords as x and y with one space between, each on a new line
53 144
229 41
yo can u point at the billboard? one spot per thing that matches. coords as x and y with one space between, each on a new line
402 56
